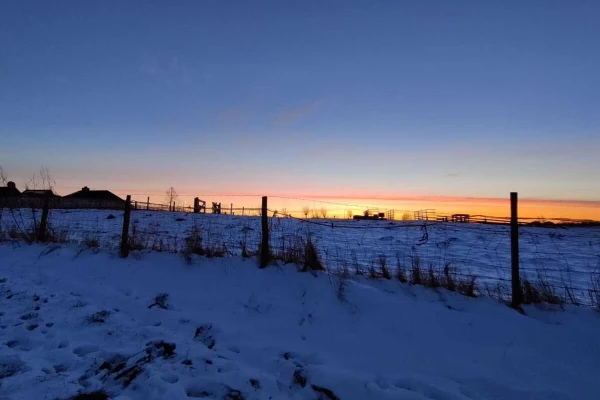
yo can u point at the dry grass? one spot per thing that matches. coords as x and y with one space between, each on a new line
385 271
416 272
401 274
299 251
540 291
594 290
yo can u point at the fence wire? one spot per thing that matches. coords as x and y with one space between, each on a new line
566 261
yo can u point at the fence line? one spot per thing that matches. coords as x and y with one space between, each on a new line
564 264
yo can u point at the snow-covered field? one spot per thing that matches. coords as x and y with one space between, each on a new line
76 322
564 257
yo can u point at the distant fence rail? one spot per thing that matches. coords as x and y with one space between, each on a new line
553 265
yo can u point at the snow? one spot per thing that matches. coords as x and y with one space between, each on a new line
74 322
565 257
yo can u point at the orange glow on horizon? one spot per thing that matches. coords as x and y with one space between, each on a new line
339 205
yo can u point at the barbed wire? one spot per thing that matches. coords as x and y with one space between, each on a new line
566 259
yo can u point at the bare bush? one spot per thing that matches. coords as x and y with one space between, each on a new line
323 212
349 214
171 196
305 211
43 180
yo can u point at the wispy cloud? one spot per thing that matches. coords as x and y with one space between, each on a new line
294 114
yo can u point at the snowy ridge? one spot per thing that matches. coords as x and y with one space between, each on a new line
75 322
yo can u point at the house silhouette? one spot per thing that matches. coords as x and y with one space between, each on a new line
10 190
86 198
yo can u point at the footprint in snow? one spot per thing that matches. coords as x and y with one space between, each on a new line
29 316
170 378
62 344
83 351
61 368
32 327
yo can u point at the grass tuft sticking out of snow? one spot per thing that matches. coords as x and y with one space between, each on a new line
312 260
540 291
299 251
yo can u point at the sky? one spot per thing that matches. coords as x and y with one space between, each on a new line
402 102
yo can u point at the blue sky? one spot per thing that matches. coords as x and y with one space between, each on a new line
438 98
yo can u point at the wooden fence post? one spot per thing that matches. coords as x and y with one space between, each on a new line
148 203
265 251
173 206
514 250
231 209
125 234
243 209
44 221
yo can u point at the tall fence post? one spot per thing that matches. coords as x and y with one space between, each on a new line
265 251
44 221
125 234
148 203
231 209
514 250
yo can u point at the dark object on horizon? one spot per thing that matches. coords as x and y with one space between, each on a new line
216 208
199 206
10 190
542 224
86 198
463 218
370 215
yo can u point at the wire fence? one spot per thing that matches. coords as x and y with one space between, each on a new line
564 263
